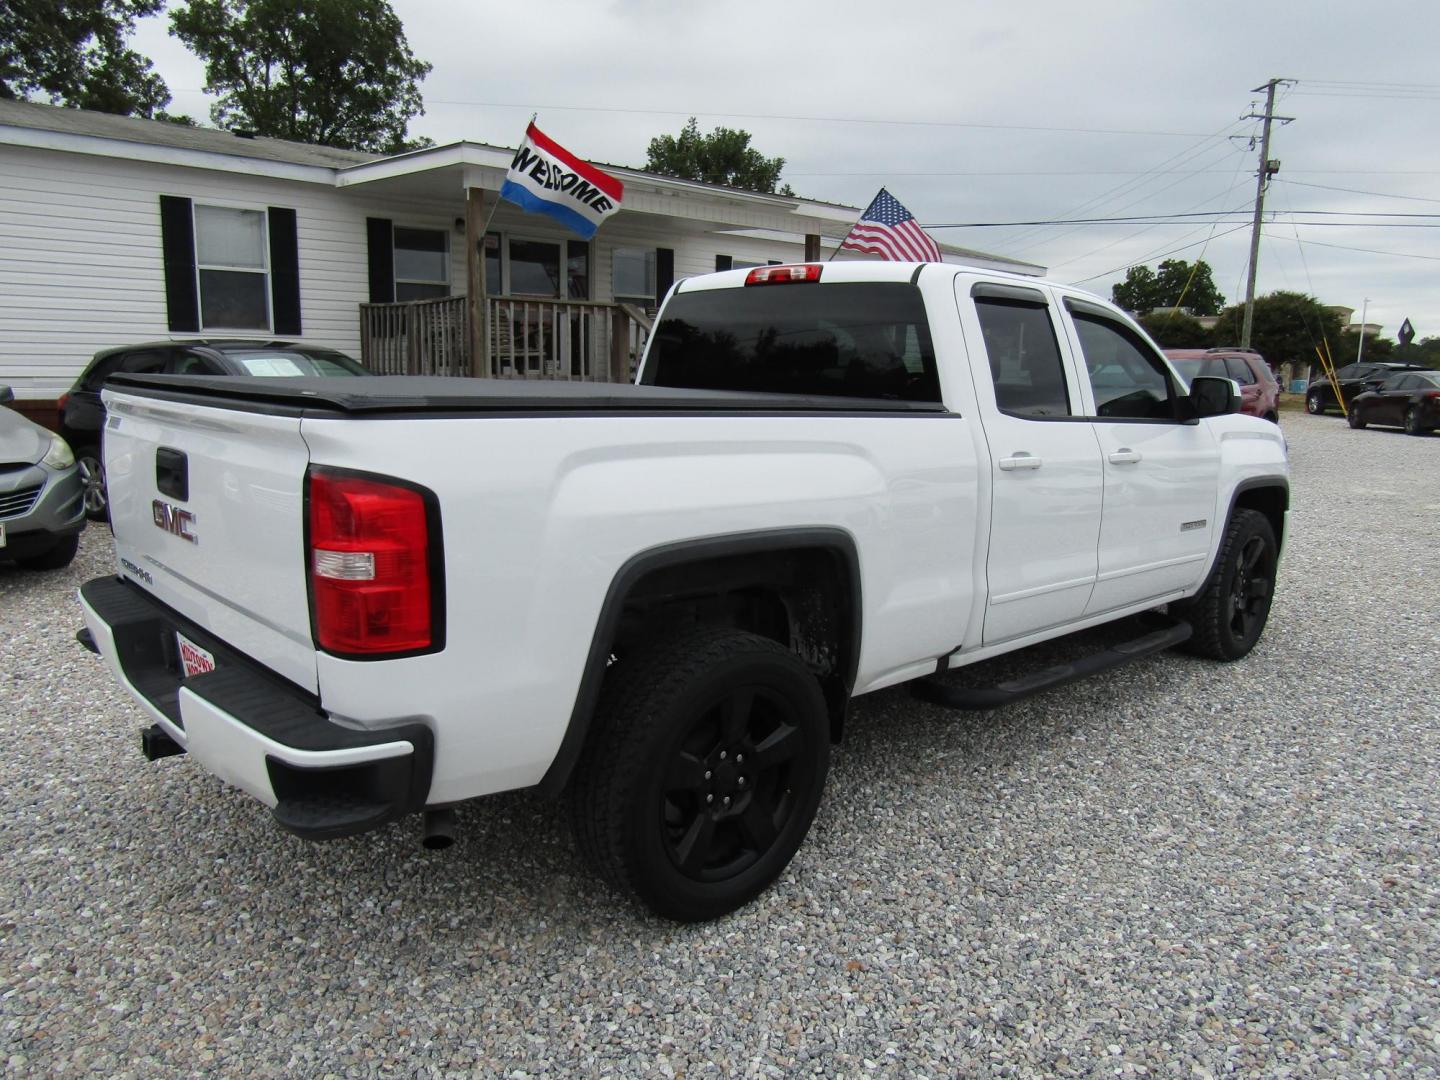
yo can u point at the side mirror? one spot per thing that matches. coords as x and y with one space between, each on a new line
6 395
1211 396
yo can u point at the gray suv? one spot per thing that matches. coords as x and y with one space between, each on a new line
42 498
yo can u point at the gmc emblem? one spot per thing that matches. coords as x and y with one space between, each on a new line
174 520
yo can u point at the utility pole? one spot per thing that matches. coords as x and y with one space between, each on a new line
1267 169
1364 310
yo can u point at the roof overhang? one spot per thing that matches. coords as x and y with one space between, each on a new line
99 146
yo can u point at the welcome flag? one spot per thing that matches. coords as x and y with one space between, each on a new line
887 229
545 178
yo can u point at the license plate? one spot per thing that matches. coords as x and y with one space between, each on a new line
193 659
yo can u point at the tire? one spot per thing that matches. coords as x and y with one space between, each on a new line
57 558
1356 420
1229 614
1273 417
92 471
1314 403
1412 421
702 772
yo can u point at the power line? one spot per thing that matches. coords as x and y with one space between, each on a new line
1161 255
1357 191
1133 187
1374 251
1135 219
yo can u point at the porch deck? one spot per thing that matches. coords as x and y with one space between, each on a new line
528 338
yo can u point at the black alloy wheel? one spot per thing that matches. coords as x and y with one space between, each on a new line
1412 421
92 472
1229 613
1356 420
702 773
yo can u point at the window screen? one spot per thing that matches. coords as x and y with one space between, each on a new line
230 257
1024 357
858 340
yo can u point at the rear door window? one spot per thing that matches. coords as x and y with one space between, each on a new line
1240 371
854 340
1024 357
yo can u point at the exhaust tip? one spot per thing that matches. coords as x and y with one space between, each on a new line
439 829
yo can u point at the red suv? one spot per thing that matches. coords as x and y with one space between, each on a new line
1259 392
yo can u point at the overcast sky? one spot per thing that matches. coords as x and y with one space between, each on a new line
974 112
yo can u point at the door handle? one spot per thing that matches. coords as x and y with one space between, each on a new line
1124 456
1021 460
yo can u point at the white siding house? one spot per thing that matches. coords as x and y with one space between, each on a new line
115 230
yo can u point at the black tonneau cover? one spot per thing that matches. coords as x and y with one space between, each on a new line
436 395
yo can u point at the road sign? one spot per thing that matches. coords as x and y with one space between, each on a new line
1407 333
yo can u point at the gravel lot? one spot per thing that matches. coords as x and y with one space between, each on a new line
1178 869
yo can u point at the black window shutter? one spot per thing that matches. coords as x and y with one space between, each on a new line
724 262
381 239
177 244
284 272
664 272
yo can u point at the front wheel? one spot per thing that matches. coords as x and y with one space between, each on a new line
92 472
1314 403
57 557
1229 614
702 772
1356 420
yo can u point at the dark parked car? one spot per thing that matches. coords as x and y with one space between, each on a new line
42 506
82 415
1259 392
1410 400
1355 379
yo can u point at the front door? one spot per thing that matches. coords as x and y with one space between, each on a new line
1045 466
1161 474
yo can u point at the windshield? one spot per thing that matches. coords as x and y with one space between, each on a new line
295 362
856 339
1200 365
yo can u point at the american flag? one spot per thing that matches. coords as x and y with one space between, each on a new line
887 229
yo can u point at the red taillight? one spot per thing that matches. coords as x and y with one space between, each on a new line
371 574
1431 394
783 275
62 401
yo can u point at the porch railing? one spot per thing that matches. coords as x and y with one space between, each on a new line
529 338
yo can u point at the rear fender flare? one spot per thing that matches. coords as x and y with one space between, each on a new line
836 541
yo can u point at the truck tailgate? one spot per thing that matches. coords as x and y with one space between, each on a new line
207 506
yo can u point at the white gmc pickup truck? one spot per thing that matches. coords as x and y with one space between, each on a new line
364 598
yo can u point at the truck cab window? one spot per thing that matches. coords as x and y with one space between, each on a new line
1127 379
1025 362
856 340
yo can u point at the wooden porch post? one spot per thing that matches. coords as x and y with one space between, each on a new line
619 345
812 247
475 281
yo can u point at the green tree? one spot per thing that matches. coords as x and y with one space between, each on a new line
722 157
73 52
1288 326
329 72
1425 351
1175 330
1176 283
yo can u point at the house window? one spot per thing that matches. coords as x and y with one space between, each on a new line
234 280
633 276
534 268
422 263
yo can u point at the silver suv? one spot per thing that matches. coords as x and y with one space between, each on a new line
42 503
